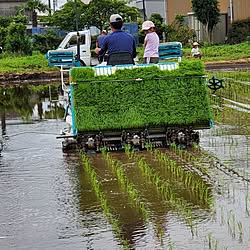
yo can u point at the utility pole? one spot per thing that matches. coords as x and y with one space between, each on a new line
49 4
144 10
77 30
231 10
77 34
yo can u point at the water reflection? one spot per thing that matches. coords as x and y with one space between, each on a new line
47 200
30 103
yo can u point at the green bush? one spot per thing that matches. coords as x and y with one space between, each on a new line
3 33
45 42
17 40
239 31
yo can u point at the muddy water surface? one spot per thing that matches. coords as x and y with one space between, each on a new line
49 201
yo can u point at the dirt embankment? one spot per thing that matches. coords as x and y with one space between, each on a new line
236 65
34 78
51 77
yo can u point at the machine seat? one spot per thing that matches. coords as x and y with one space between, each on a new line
120 58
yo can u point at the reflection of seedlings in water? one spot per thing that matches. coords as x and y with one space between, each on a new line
231 223
133 194
222 215
103 201
165 189
240 230
160 232
246 201
231 150
189 179
210 240
171 245
212 243
130 189
234 193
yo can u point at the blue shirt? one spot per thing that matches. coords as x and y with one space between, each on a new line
118 41
100 40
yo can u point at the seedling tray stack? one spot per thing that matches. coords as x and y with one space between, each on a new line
139 98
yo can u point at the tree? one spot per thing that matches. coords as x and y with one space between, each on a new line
96 13
5 21
33 6
158 21
65 17
17 40
47 41
208 13
179 31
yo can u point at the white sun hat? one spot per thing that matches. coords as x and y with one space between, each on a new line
115 18
147 25
195 43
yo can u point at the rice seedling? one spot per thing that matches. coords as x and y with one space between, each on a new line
133 194
240 230
166 191
212 242
188 178
129 151
246 202
103 201
222 215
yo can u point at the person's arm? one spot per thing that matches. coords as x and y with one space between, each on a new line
101 51
191 53
145 41
134 49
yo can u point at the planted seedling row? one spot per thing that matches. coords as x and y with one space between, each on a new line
162 186
126 185
189 179
103 201
117 167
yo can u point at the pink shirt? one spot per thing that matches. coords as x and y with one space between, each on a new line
151 49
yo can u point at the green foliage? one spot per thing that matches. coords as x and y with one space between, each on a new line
4 21
45 42
208 13
180 33
212 53
177 31
96 13
157 19
179 19
33 6
159 98
17 63
17 40
65 17
3 33
239 31
20 19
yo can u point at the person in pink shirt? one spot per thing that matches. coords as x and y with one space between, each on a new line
151 43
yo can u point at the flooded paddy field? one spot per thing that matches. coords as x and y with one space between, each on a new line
168 198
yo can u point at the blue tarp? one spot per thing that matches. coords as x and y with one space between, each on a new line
132 28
